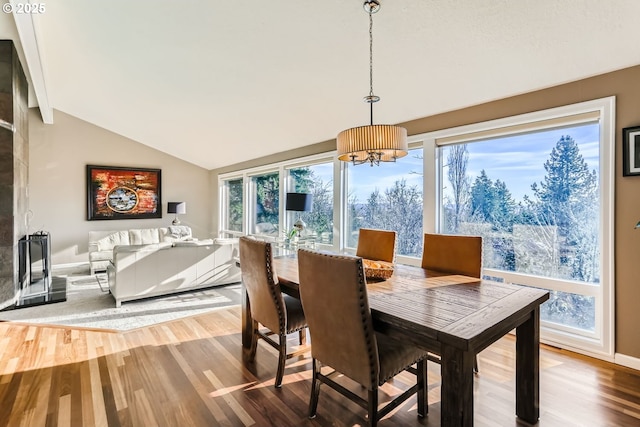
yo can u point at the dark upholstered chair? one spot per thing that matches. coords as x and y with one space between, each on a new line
334 295
455 255
279 313
377 245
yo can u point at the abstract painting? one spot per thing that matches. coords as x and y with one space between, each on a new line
123 193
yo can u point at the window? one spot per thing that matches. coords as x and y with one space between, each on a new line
538 190
265 204
232 207
538 187
388 197
317 180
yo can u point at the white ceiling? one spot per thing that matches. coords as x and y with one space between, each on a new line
219 82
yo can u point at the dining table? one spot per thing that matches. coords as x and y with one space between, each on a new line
451 316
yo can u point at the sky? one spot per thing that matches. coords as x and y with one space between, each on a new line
517 160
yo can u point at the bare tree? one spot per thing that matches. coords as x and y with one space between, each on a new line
457 160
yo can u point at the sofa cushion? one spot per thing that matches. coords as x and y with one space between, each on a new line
147 247
117 238
144 236
101 256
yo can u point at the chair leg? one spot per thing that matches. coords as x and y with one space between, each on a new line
251 352
373 407
282 358
475 364
423 401
315 389
302 336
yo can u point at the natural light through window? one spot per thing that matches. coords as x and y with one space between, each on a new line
388 197
318 181
534 200
538 189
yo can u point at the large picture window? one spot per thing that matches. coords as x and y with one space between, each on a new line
538 192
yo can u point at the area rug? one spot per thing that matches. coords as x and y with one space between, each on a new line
88 306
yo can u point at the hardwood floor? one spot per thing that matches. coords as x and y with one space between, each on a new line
189 372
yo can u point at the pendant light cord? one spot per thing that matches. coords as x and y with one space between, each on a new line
371 95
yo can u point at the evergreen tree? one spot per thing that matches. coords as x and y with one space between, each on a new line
565 199
493 205
504 207
319 220
235 204
267 198
482 198
568 183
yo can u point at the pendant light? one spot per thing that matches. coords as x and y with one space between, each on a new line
372 143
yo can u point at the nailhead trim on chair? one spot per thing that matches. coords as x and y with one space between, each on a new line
384 380
282 321
362 287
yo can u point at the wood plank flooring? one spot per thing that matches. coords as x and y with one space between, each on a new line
189 372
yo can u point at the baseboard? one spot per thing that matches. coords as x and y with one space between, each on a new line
628 361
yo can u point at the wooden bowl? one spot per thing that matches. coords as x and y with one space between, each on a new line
379 270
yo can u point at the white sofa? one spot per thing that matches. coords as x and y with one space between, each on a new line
101 243
158 263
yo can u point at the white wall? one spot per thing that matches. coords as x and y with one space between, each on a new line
58 155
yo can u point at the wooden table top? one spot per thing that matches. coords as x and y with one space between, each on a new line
434 308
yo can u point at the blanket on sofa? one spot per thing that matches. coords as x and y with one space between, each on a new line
180 231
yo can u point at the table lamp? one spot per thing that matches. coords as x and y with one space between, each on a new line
177 208
298 202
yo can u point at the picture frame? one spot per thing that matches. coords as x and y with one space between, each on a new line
631 151
115 192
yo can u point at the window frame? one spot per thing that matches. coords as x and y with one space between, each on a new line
223 205
288 187
281 168
600 343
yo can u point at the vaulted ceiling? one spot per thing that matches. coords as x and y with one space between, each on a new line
218 82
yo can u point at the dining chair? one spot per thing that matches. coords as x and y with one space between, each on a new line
455 255
334 295
377 245
281 314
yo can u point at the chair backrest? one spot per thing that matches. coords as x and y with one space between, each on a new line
334 299
260 280
377 245
453 254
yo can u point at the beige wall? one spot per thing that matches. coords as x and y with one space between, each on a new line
625 85
58 157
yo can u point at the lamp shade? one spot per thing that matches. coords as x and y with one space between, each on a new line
300 202
386 142
177 208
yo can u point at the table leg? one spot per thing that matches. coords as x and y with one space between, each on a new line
456 400
528 368
249 341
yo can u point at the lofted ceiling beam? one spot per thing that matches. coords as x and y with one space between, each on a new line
33 57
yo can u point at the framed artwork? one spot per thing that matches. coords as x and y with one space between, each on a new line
631 151
123 193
